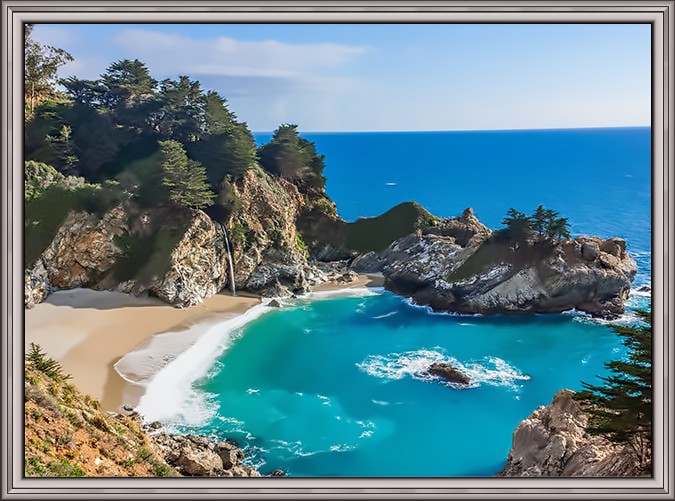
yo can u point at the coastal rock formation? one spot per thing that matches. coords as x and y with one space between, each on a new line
86 252
198 265
197 456
553 442
457 265
448 372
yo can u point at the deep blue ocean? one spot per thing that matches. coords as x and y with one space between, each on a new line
331 385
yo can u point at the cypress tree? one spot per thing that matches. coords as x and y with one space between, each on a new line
622 406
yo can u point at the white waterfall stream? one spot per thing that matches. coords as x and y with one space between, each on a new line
233 287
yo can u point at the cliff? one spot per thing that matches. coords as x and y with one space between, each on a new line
67 434
458 265
180 256
553 442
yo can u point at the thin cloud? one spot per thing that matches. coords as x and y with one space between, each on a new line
175 54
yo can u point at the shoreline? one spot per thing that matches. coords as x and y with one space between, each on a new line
90 332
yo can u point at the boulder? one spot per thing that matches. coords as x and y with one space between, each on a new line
590 251
448 372
202 463
370 262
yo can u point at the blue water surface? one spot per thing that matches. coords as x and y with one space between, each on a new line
333 387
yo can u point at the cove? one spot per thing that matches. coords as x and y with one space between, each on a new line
332 387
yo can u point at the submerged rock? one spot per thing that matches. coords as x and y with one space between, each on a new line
448 372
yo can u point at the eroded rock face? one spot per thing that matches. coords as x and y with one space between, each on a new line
553 442
457 269
198 265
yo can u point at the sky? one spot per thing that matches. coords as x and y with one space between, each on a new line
382 77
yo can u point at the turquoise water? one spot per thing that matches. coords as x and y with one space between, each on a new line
332 386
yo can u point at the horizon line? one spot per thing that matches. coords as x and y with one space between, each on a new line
302 131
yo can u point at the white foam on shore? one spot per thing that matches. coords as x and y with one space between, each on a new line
169 394
168 379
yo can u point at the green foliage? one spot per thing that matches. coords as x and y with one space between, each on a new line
41 63
184 178
544 224
39 361
230 152
290 156
365 234
622 405
146 257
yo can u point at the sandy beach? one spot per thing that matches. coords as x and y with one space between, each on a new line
89 332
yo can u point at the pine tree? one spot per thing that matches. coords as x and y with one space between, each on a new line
184 178
517 225
622 406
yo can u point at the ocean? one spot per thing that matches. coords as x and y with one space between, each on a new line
330 385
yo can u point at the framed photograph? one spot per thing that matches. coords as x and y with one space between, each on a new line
330 249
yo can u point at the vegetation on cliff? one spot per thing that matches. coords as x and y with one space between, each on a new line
622 405
68 435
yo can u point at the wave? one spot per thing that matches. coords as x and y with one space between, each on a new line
169 396
489 370
391 313
427 309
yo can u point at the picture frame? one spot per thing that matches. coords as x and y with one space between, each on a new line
17 12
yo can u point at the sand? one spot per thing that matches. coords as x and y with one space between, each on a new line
89 332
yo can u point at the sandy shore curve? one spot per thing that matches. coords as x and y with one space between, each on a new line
89 332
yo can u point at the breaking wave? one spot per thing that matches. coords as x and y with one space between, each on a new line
488 370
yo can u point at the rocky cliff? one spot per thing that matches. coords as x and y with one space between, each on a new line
459 265
181 256
553 442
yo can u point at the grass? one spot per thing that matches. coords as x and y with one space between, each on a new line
365 234
492 252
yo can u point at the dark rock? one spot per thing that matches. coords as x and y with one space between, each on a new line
590 251
278 473
155 425
448 372
369 262
274 303
614 246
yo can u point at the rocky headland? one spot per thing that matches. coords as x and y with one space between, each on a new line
553 442
459 265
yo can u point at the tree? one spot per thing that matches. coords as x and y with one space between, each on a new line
184 178
181 116
41 63
517 225
290 156
127 83
622 406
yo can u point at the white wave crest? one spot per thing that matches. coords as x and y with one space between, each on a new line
391 313
492 371
169 396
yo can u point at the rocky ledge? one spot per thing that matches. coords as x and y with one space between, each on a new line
458 265
553 442
196 456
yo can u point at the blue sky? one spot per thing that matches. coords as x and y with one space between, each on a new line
336 77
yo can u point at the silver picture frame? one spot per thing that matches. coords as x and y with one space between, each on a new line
657 13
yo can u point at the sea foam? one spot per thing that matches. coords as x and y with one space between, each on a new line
488 370
170 396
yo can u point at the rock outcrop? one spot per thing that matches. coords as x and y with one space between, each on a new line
181 256
553 442
449 373
196 456
458 266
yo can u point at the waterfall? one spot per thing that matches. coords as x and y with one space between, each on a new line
229 260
